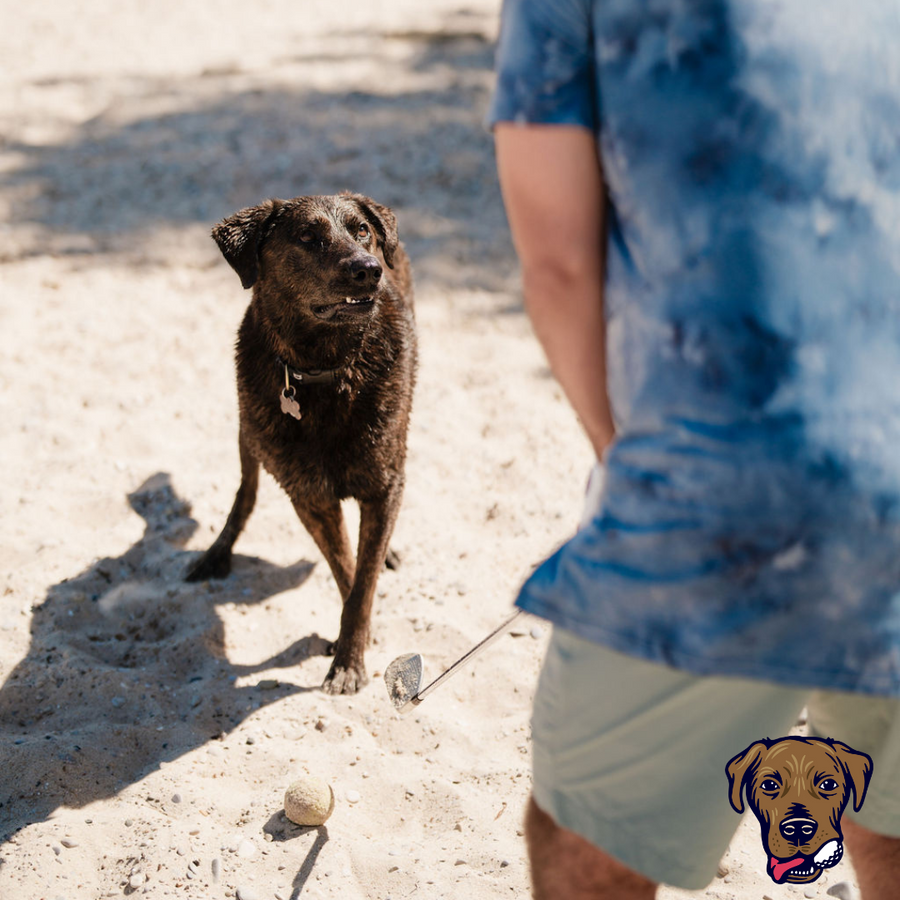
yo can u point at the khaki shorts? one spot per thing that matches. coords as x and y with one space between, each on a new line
631 755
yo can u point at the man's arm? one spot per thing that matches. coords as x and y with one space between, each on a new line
553 191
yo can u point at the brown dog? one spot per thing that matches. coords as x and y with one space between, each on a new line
326 360
798 788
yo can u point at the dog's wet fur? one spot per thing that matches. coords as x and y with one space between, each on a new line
798 788
332 290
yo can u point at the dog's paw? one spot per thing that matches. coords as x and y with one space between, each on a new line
212 564
392 560
344 679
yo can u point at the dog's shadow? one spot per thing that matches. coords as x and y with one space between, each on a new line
126 668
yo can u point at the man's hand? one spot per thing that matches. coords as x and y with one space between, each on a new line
553 191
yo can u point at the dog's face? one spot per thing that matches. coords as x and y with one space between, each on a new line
314 260
798 788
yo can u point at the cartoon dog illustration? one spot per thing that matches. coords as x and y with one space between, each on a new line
798 787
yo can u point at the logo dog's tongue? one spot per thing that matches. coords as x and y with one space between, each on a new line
780 869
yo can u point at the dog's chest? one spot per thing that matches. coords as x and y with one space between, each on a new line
339 447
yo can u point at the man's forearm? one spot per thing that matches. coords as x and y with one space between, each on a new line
566 310
553 190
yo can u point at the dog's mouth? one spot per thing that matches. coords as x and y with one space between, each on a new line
799 869
346 306
803 869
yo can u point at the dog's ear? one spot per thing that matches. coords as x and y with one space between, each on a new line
382 220
739 769
240 237
858 768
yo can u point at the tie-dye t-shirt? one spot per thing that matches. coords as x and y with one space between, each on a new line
750 519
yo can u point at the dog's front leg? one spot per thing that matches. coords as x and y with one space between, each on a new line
376 523
324 520
216 562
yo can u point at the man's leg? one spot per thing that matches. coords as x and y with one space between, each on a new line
870 725
876 859
565 866
629 767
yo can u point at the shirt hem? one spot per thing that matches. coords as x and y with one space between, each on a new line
787 675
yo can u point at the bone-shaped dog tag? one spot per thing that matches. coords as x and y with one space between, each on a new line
289 405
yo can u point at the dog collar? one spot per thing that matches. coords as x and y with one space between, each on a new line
313 376
288 396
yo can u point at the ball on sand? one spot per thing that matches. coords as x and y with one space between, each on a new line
309 801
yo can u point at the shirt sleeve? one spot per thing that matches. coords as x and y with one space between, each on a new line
545 64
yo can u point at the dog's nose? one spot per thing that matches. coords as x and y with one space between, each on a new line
365 270
798 831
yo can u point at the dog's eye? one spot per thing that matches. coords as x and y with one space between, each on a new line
362 232
307 236
829 784
769 784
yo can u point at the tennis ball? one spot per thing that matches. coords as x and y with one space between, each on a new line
309 801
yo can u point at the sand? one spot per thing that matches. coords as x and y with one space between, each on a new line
149 728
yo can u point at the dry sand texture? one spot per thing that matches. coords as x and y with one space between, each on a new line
149 728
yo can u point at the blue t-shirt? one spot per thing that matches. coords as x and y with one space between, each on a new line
750 519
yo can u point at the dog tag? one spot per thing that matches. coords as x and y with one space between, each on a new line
289 405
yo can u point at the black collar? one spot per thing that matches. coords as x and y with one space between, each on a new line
313 376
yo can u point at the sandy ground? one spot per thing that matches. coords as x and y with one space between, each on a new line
148 727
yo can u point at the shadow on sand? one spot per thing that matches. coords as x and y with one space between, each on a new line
422 149
126 668
282 829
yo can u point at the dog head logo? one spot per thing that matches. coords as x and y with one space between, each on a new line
798 788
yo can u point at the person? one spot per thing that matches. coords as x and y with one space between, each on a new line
705 200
